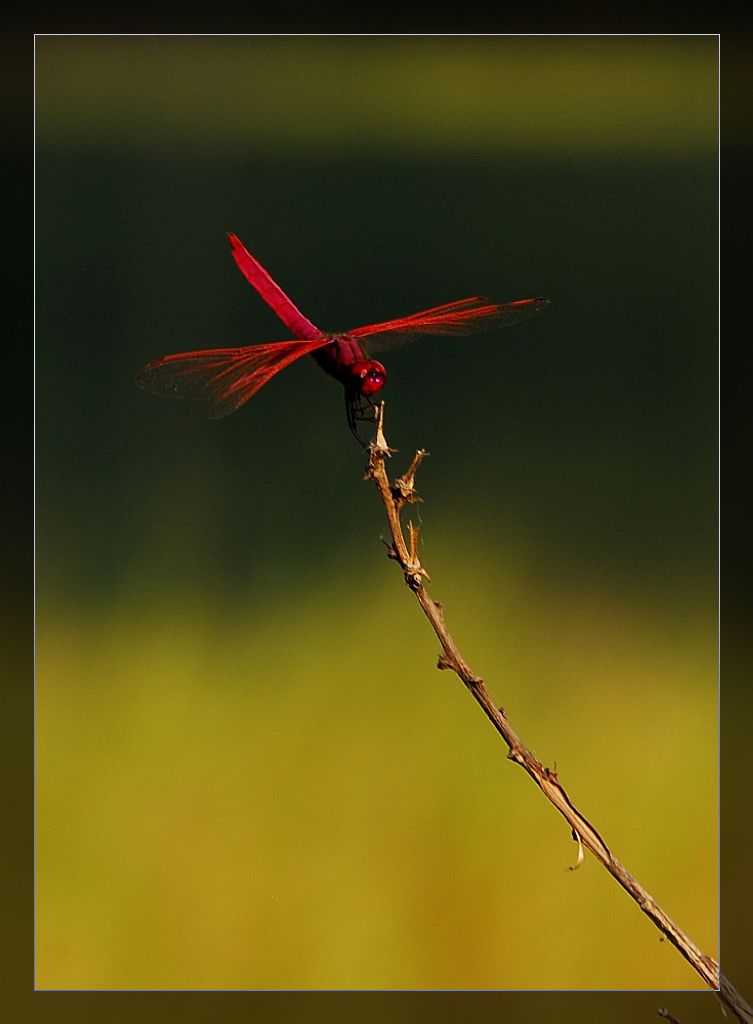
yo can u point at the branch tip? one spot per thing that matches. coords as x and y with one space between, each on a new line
404 486
379 447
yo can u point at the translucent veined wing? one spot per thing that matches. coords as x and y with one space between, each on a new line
271 292
465 316
223 377
448 307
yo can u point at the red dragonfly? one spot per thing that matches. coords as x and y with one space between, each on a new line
228 377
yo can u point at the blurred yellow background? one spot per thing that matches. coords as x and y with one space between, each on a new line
249 773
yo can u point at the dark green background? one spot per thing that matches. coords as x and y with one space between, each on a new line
570 516
595 424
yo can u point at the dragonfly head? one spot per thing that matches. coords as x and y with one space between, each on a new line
368 376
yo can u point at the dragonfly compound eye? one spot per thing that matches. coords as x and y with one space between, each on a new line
370 376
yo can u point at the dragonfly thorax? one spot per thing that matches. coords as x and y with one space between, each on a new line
345 360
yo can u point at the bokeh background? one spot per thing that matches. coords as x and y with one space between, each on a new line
249 773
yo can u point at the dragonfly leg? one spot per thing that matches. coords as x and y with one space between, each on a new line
359 408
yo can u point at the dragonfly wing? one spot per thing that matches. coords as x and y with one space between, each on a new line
466 316
223 377
271 292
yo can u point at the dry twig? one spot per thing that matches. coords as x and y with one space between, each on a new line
668 1016
395 495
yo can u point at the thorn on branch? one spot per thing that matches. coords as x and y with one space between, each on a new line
581 853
